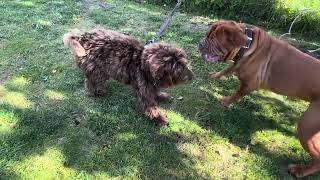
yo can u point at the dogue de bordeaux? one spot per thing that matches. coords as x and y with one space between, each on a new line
262 61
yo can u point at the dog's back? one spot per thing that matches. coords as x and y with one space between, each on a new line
90 42
108 39
109 52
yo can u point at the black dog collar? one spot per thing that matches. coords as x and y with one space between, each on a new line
243 49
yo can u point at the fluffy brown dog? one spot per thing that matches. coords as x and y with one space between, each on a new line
104 54
268 63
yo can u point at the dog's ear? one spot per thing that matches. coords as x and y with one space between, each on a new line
232 33
155 67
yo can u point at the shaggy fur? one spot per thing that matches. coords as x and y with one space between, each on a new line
104 54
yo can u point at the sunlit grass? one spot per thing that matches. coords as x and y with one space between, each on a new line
145 10
302 6
26 3
49 165
127 136
7 122
44 22
178 123
15 99
18 82
54 95
281 144
202 20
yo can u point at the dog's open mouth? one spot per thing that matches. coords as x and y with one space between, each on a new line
211 58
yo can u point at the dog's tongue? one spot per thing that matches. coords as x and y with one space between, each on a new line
212 58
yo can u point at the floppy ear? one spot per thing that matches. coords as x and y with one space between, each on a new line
155 67
212 29
233 34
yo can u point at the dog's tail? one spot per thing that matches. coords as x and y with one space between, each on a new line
70 40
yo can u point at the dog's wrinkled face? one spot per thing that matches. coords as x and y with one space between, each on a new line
221 40
167 65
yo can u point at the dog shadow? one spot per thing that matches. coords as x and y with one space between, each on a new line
256 113
107 137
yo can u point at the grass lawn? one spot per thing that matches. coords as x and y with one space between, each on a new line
51 129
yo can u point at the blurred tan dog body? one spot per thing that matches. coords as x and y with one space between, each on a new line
279 67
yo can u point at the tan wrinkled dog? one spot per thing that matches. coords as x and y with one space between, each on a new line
268 63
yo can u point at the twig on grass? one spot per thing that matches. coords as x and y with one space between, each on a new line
312 51
295 19
289 32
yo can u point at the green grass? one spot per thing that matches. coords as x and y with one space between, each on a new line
268 13
51 129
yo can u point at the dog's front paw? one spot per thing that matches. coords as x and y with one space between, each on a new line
162 96
294 170
161 121
225 101
299 171
215 75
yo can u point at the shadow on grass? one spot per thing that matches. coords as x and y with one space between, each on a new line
105 136
108 136
240 123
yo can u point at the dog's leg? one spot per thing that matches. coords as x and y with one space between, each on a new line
240 93
96 85
309 136
154 113
226 72
162 96
147 96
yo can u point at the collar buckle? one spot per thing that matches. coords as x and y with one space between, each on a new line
249 34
